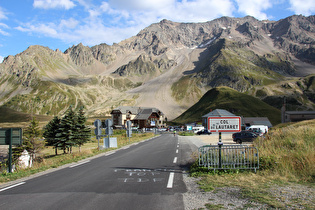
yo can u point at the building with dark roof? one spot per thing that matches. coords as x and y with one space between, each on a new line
248 121
296 116
141 117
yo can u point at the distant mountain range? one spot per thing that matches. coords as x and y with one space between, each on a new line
169 66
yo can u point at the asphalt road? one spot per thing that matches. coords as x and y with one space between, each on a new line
143 176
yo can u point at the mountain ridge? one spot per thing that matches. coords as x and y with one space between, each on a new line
167 65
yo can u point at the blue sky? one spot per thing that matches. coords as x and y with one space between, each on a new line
59 24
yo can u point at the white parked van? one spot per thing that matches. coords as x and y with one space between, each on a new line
256 128
198 128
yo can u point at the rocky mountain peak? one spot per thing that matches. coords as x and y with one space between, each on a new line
81 55
165 21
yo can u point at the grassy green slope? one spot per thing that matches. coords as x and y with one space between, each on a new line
8 115
229 99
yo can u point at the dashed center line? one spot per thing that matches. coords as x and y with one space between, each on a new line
175 160
170 180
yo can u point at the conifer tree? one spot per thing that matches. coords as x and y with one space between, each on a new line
33 143
82 133
31 140
66 132
50 133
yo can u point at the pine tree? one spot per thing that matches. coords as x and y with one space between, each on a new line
82 132
31 139
66 132
50 133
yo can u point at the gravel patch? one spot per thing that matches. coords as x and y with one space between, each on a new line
295 196
225 198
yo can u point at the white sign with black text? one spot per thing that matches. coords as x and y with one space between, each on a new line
224 124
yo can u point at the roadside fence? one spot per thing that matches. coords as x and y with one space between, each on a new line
229 157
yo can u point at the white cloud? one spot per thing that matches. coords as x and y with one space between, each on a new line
3 14
71 31
2 25
4 33
69 24
304 7
53 4
45 29
254 8
140 4
201 10
50 29
94 34
1 58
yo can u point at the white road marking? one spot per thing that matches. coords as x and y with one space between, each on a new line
175 160
110 153
170 180
79 164
177 151
12 186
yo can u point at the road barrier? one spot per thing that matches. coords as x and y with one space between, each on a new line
229 157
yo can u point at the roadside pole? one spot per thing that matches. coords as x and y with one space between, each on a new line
98 131
220 143
10 152
128 130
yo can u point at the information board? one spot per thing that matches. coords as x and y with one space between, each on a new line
224 124
10 133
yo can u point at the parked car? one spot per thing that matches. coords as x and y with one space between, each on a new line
261 129
203 132
244 136
256 131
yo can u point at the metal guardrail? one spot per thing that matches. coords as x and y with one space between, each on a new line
229 157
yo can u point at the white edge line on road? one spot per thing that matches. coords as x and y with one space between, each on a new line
175 160
12 186
110 153
170 180
79 164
